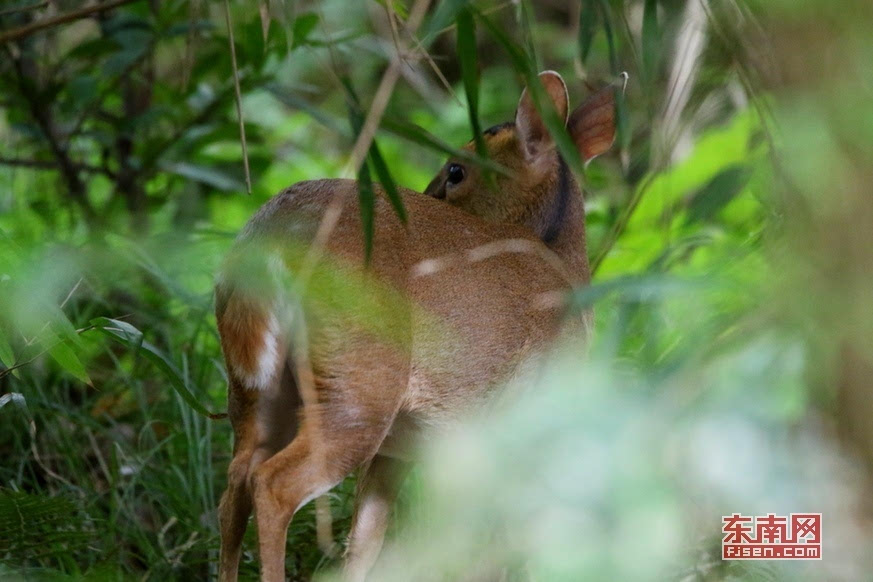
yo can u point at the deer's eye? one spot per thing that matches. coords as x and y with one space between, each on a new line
456 173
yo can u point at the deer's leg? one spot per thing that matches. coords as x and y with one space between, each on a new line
264 421
291 478
236 505
377 489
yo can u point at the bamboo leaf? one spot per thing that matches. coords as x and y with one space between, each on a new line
130 336
651 39
587 27
606 12
303 27
466 46
367 204
443 16
67 359
384 175
7 356
717 193
366 195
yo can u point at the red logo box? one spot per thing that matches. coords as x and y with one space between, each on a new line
771 537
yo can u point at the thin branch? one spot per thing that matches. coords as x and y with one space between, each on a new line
42 114
239 113
27 30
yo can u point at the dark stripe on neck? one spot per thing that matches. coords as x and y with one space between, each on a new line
559 204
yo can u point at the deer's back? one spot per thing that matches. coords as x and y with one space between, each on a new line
467 294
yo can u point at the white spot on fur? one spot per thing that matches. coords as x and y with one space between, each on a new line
268 361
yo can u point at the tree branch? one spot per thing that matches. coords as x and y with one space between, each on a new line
43 117
28 29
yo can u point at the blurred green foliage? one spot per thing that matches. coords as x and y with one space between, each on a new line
730 232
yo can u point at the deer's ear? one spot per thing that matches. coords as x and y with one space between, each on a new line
592 124
532 132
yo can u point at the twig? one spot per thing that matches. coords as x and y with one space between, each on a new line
27 30
239 113
42 114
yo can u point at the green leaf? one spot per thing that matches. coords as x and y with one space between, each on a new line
303 27
67 359
651 41
7 356
366 193
367 204
384 175
610 39
470 74
205 175
397 5
130 336
587 27
444 14
366 196
717 193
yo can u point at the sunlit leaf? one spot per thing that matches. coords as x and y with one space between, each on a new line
7 356
67 359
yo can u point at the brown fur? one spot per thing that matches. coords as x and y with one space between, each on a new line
424 348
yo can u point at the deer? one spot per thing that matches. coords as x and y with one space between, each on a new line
451 310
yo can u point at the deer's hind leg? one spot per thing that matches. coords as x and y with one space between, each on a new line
264 422
356 405
378 485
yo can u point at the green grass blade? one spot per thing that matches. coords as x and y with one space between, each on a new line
606 12
67 359
468 57
384 175
651 40
587 27
366 195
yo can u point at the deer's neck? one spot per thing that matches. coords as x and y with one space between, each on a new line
561 223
